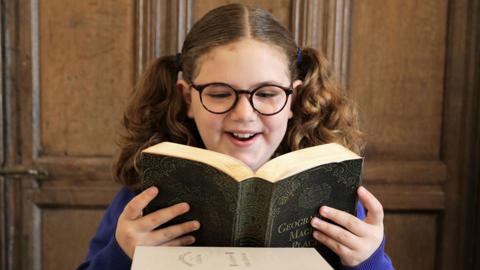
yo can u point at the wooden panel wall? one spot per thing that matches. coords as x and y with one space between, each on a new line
72 67
397 61
397 74
3 222
68 67
85 60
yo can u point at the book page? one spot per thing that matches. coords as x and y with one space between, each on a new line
241 258
301 160
227 164
273 170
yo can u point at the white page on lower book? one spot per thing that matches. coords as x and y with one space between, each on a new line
216 258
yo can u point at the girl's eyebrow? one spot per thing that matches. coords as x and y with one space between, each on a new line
256 85
267 82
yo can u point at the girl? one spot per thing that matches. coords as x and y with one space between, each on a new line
232 60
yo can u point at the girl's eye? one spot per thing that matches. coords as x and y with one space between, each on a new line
265 95
270 92
219 95
218 92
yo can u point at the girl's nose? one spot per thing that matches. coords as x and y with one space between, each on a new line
243 110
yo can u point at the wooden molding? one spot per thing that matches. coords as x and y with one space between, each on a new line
408 184
305 22
35 203
409 197
13 75
67 170
2 94
460 144
74 198
3 208
402 172
324 25
470 193
184 23
35 47
156 27
148 32
142 35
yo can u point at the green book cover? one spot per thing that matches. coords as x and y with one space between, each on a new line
237 207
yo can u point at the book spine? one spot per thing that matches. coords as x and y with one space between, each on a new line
252 213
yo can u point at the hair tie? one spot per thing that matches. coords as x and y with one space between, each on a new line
178 62
299 56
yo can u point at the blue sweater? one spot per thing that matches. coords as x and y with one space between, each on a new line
104 252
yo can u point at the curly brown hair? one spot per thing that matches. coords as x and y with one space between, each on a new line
156 112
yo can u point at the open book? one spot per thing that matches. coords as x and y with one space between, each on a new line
211 258
238 207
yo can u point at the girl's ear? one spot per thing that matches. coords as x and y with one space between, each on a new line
186 90
296 84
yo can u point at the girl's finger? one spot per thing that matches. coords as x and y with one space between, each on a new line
340 235
337 247
181 241
161 216
134 208
169 233
374 207
344 219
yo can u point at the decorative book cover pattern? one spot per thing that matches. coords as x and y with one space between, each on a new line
252 212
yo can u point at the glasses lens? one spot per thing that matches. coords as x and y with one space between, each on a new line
218 98
269 99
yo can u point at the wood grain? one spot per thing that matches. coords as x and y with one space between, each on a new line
412 68
411 239
281 9
87 68
62 222
397 57
67 229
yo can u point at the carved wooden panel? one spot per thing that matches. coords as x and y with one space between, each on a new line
67 67
397 61
86 68
280 9
3 221
3 208
461 135
67 229
411 239
62 221
320 24
325 25
77 64
396 75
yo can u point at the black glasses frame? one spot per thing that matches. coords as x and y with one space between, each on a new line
250 92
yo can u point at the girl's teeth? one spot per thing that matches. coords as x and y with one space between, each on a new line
243 135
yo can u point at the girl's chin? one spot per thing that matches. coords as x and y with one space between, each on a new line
252 157
252 163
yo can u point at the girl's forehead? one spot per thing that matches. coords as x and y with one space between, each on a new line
245 46
243 60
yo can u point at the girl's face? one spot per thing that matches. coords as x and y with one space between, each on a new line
241 132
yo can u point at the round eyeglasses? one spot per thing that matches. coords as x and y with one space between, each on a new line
266 99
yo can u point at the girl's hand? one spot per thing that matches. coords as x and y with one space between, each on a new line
133 229
358 239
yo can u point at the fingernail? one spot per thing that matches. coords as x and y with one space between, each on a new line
196 225
191 240
316 222
152 190
324 210
186 207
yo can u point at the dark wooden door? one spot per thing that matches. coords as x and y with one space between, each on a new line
67 68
